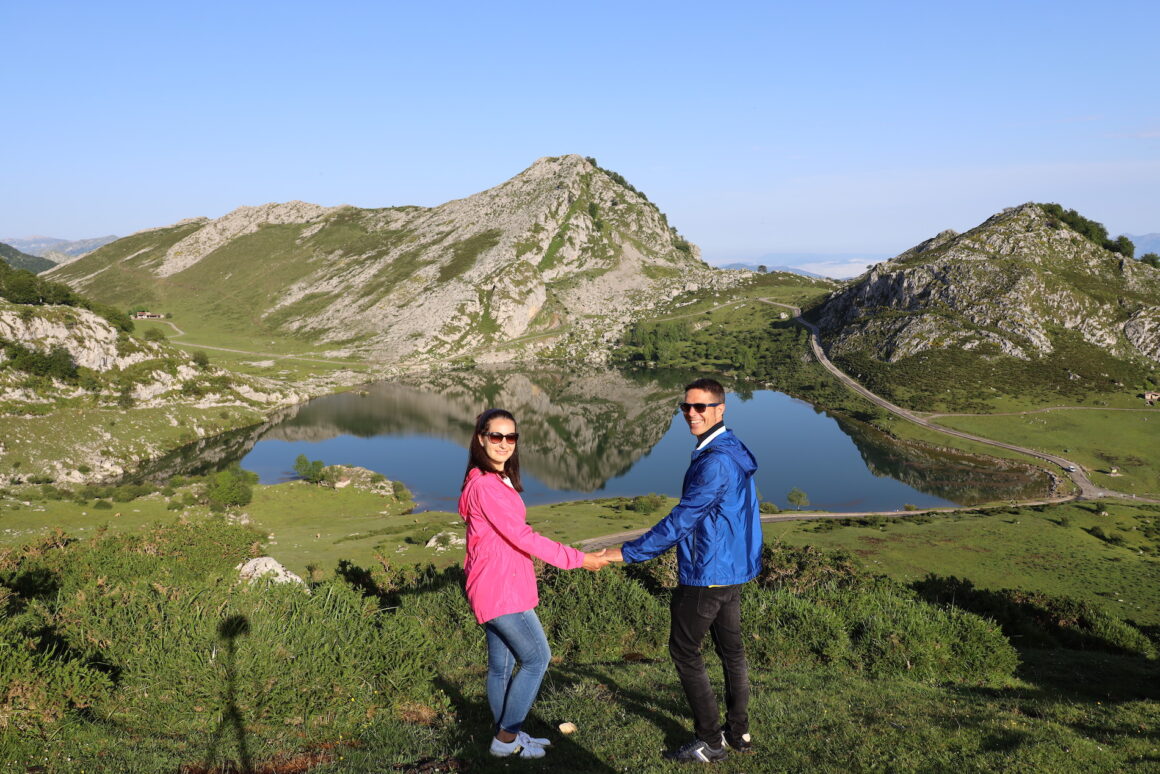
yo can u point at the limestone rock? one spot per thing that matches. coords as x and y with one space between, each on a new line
1006 286
267 568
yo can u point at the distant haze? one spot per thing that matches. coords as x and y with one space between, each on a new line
1145 243
832 265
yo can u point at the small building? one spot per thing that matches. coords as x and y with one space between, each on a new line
148 316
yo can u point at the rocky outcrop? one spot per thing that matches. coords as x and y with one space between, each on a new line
88 338
1004 287
267 568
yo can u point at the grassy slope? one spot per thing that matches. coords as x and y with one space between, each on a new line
70 433
1064 711
1097 439
1048 549
313 525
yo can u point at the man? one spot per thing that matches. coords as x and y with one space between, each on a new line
716 528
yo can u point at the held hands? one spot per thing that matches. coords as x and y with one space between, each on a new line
597 560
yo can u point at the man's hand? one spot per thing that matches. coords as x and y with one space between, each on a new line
595 561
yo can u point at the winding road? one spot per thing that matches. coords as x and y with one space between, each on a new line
1087 490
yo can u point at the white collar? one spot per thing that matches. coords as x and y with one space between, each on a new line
705 442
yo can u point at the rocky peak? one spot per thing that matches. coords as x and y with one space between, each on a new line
1009 282
563 254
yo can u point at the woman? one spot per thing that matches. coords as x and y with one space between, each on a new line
501 581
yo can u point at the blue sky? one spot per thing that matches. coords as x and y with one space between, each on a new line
758 127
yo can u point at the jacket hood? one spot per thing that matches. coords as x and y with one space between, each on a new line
727 443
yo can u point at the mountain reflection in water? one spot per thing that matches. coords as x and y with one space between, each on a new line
607 433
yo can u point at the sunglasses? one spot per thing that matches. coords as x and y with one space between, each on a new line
497 437
698 407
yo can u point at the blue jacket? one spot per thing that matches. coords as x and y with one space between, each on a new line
716 526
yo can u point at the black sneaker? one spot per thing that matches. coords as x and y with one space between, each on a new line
741 744
697 751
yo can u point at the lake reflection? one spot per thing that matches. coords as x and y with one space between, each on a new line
597 435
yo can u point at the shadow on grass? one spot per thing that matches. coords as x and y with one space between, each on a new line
232 721
473 734
660 708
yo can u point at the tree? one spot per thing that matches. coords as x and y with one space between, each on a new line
797 498
200 359
1123 246
230 487
762 269
310 471
1152 259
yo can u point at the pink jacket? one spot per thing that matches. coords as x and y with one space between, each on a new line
500 547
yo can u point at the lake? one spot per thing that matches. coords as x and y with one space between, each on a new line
606 433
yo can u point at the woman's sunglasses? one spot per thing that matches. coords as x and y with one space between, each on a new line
497 437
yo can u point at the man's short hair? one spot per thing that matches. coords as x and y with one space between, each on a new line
711 386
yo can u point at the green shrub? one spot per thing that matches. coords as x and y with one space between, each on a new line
1038 620
789 631
230 488
892 633
600 616
798 569
183 646
647 504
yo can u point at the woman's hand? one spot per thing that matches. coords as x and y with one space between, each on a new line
596 560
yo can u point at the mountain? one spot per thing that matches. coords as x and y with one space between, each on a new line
59 250
19 260
1023 284
1145 243
559 258
1030 307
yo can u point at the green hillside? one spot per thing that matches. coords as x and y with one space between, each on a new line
18 260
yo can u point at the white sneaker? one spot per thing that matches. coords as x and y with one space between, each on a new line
537 741
515 747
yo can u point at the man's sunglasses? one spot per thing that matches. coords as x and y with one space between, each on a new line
497 437
698 407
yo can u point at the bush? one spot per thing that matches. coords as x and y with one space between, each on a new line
230 488
1037 620
790 631
647 504
182 645
600 616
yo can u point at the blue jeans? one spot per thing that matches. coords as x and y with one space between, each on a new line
512 638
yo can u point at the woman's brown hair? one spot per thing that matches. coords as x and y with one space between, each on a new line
477 455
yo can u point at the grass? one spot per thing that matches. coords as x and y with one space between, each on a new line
1046 549
304 681
1095 438
87 436
310 526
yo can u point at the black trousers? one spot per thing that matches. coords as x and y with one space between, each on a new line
716 610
